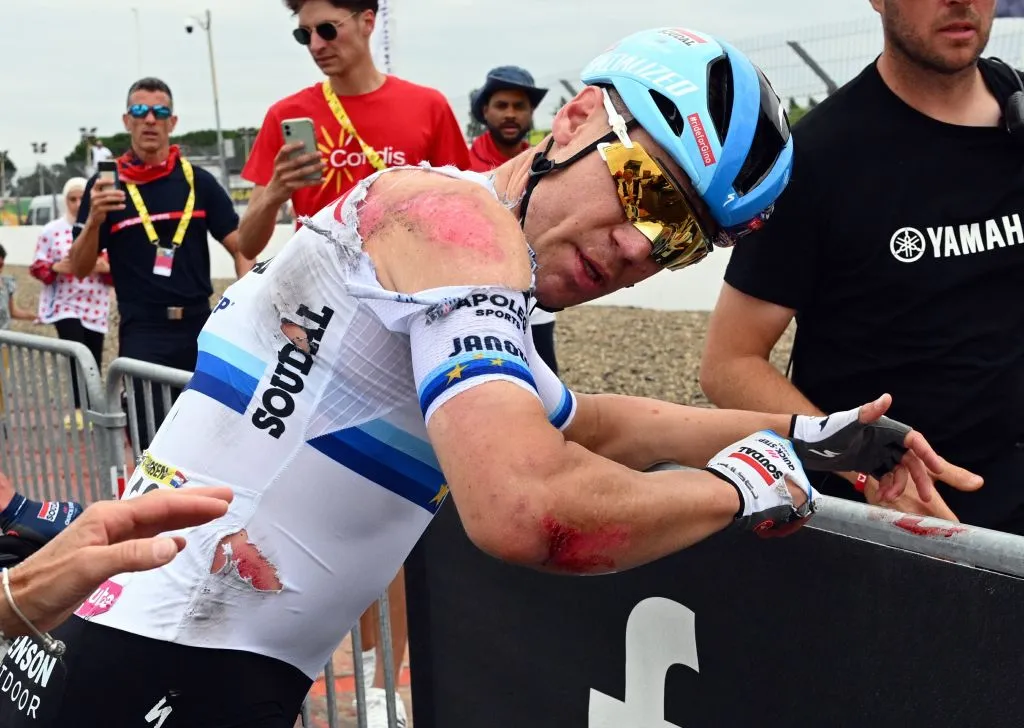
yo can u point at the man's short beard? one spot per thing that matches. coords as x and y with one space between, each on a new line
500 138
914 49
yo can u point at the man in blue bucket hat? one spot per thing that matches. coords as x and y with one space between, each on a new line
504 105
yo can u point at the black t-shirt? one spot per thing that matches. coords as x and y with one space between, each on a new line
132 256
900 243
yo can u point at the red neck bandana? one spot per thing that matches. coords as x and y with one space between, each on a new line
132 169
484 154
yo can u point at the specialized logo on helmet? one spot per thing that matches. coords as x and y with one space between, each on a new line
658 75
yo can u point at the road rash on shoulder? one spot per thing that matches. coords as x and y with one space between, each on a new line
425 230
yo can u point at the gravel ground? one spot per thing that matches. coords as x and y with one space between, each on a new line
600 348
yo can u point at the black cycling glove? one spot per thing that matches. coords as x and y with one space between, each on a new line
839 442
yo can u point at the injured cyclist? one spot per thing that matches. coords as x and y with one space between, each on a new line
380 363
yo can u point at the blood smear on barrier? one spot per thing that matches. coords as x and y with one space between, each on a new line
912 524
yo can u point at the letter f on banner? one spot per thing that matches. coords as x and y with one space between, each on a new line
159 713
660 633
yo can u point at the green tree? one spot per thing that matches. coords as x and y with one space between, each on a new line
117 143
795 112
54 178
120 143
10 168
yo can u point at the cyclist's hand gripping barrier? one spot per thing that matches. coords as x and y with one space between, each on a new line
840 442
758 467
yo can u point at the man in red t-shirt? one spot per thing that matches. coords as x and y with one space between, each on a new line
364 119
505 105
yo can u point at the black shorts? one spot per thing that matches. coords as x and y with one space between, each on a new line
114 678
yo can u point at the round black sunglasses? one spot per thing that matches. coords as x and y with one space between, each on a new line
327 31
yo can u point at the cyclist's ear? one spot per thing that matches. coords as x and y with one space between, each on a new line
583 118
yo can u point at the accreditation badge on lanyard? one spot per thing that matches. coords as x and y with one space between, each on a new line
165 253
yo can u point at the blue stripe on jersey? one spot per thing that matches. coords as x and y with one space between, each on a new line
464 367
391 458
225 373
232 354
564 409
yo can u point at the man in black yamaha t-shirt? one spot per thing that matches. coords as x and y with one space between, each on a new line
899 247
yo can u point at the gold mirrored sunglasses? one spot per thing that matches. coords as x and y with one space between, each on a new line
656 205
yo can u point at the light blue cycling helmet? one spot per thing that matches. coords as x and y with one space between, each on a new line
713 111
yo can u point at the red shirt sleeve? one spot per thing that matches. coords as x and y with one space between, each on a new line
259 168
42 262
449 145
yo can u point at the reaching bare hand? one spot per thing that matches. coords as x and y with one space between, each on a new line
109 538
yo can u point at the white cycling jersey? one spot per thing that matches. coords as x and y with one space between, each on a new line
327 452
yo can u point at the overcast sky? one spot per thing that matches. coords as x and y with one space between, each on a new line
67 63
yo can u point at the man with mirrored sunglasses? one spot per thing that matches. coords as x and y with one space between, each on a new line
154 222
382 361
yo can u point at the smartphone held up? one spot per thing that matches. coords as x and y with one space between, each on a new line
302 130
107 170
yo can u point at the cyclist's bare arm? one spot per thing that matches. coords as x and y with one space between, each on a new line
525 493
639 432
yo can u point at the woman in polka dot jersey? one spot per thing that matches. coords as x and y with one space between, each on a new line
78 307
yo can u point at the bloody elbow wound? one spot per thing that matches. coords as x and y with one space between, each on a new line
236 557
582 552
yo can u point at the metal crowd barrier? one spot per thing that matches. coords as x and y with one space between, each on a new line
48 460
41 448
137 380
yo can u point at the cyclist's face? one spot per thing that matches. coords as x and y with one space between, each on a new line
576 224
944 36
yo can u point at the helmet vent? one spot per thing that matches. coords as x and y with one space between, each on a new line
670 111
720 95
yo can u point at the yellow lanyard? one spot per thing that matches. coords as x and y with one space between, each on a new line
186 216
346 124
